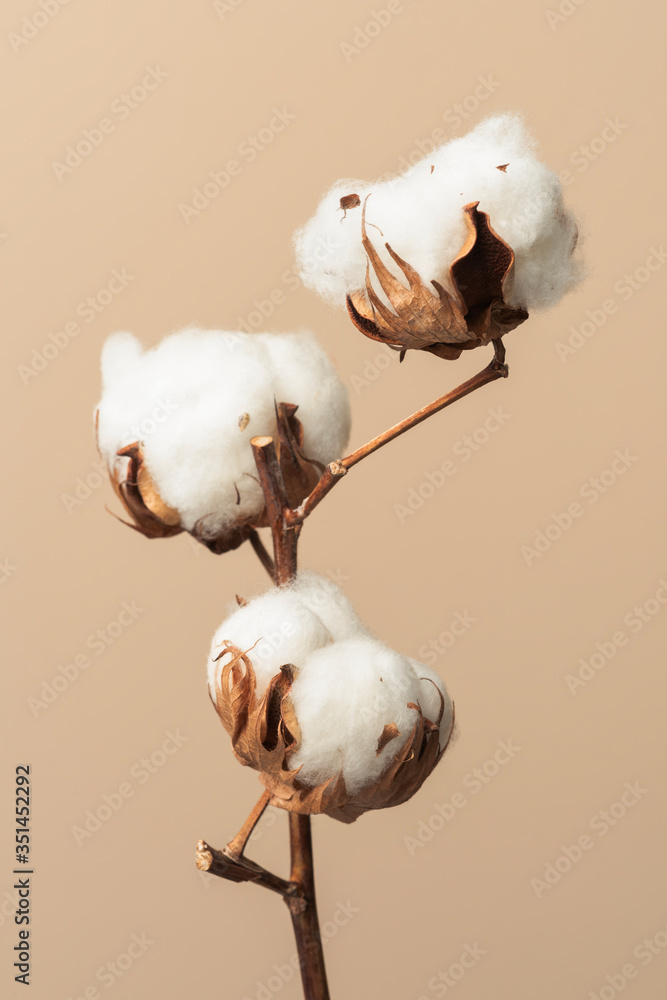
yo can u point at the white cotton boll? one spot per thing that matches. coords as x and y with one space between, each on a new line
119 350
343 696
429 685
419 213
279 628
195 401
345 707
306 376
183 400
325 598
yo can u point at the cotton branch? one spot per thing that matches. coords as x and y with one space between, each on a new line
286 523
335 471
299 891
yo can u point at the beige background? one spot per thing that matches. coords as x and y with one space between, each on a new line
411 911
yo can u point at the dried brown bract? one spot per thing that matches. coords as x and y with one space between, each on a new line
265 734
474 313
154 518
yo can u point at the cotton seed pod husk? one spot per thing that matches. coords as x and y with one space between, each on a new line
475 313
154 518
265 733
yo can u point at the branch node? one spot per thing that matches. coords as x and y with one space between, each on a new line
237 868
295 904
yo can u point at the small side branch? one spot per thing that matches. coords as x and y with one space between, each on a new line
331 475
497 369
242 869
335 471
237 846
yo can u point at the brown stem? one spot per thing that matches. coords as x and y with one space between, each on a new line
303 908
285 536
262 554
305 922
336 470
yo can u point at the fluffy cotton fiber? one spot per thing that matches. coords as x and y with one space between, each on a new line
348 684
419 213
197 399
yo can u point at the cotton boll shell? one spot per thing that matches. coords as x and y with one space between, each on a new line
473 312
420 215
346 725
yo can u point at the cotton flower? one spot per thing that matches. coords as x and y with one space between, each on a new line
175 422
334 720
451 254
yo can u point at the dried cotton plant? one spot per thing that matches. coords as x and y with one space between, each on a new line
448 257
